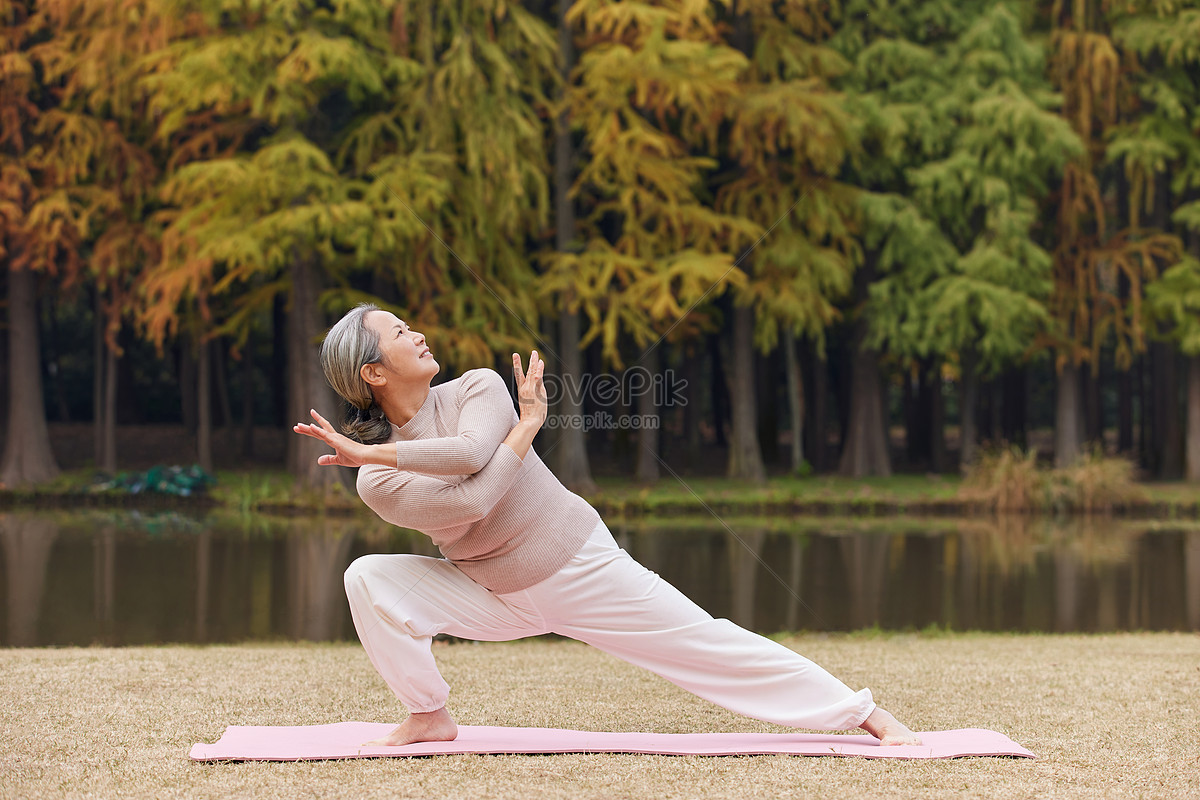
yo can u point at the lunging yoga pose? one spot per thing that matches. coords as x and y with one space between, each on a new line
523 556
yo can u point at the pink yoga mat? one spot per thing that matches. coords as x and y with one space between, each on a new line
344 740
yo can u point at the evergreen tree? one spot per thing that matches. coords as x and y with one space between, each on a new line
789 136
350 152
1160 153
27 241
76 184
105 127
1100 268
1005 144
962 142
897 91
651 88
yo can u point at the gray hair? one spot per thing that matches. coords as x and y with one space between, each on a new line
347 347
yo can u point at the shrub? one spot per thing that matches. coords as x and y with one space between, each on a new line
1011 481
1005 481
1098 483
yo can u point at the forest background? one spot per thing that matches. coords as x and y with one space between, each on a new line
813 223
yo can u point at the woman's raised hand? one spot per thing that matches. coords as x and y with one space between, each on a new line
531 391
347 452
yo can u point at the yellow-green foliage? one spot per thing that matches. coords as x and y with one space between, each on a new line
1011 481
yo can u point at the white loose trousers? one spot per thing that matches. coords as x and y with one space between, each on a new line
606 599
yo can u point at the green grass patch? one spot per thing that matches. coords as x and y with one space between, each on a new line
1093 487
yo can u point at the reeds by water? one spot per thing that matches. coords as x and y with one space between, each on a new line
1011 481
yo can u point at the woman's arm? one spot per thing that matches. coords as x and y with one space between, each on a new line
424 503
485 419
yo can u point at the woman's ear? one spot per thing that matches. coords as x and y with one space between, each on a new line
373 374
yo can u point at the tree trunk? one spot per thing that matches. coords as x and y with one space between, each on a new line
204 407
646 407
1012 408
1093 414
937 419
1124 377
1192 457
818 421
28 458
107 460
54 367
925 431
1068 422
1167 416
130 404
969 434
1144 386
915 439
97 380
766 394
573 466
306 386
692 411
719 389
745 458
248 397
795 395
1193 418
5 371
989 400
865 450
188 391
277 372
219 367
1124 412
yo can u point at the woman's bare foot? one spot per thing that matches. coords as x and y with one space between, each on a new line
887 729
432 726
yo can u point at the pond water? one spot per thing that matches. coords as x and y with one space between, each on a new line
126 578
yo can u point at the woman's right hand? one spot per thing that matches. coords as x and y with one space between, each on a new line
346 451
531 391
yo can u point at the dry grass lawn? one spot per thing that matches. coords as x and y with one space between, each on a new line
1108 716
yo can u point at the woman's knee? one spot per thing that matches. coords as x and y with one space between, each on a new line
362 572
387 572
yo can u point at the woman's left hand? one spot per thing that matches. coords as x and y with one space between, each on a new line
347 452
531 391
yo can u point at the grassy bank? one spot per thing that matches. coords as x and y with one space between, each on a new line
828 495
1108 716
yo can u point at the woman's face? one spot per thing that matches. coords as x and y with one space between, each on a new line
406 357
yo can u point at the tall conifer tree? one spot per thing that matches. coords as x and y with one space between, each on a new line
343 152
652 86
789 136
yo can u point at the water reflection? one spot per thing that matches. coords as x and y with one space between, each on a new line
27 542
120 578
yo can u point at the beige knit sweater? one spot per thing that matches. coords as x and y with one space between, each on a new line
506 523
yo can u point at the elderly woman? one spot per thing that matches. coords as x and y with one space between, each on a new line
523 556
